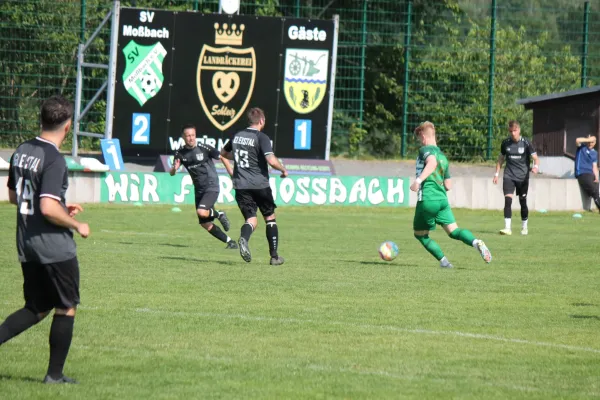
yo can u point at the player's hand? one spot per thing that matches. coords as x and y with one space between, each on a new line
596 180
284 174
74 209
415 186
495 180
84 230
534 170
176 164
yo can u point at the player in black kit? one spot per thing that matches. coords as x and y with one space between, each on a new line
37 184
518 153
252 153
197 159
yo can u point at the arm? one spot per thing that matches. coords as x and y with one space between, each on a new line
12 197
581 140
595 168
536 165
176 164
498 166
448 184
274 162
430 165
226 151
54 212
227 165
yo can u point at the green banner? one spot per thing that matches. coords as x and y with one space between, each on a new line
161 188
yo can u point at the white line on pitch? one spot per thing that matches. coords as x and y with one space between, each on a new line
371 326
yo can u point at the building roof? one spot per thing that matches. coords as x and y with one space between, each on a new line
554 96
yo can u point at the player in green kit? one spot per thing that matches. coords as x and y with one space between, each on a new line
431 185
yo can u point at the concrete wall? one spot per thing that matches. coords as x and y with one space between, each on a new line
562 167
467 192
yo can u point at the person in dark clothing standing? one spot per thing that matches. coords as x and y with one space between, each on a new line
252 153
197 159
586 168
37 184
518 153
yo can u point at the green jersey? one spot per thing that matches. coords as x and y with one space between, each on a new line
433 188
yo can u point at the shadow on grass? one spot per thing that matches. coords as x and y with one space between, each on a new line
597 318
173 245
19 378
582 304
197 260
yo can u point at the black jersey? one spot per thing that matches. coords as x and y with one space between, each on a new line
250 148
518 157
198 161
37 170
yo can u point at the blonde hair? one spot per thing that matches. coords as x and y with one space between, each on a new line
423 127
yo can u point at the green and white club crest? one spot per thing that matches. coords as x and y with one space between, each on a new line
143 77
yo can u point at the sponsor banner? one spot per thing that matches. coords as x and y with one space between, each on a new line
176 68
293 166
161 188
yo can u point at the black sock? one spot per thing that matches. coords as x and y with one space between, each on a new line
524 208
247 231
61 333
218 233
272 237
16 323
507 207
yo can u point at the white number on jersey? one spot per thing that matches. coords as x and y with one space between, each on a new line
241 158
25 196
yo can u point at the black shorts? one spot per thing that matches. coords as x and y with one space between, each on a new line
509 186
249 200
587 184
206 200
48 286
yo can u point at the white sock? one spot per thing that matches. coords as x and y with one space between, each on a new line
507 223
444 261
474 244
524 224
228 239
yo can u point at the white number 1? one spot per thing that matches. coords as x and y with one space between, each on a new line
302 129
112 150
25 196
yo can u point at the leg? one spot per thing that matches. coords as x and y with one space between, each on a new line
266 204
65 276
248 207
207 214
522 190
469 239
589 187
423 222
35 282
508 187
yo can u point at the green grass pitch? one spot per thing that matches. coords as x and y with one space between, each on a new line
168 313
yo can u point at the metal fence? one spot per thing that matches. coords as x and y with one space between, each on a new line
461 64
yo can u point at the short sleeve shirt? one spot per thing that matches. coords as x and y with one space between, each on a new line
198 161
38 170
250 148
518 158
432 188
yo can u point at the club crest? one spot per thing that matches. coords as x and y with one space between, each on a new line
305 78
143 77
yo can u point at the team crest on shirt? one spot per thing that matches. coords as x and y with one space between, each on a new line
200 157
521 150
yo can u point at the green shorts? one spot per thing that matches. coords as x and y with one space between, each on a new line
431 212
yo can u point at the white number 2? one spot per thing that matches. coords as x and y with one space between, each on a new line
25 196
241 158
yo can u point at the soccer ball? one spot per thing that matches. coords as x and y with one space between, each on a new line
149 85
388 251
